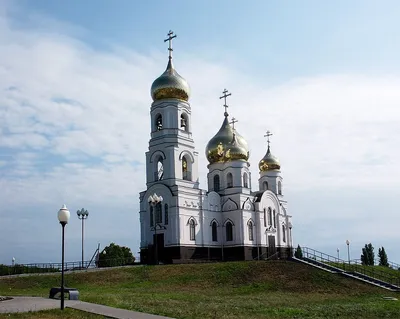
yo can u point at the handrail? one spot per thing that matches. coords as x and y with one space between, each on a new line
350 266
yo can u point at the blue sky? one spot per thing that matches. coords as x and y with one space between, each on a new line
76 75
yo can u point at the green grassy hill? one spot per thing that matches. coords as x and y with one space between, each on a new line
274 289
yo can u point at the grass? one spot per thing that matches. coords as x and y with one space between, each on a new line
275 289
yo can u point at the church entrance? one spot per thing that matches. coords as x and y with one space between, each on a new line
271 245
159 249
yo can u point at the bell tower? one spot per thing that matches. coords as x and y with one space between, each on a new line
171 158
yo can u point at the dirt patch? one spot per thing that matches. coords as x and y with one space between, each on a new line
4 298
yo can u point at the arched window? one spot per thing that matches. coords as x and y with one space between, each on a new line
192 225
184 122
158 176
274 213
284 233
229 231
279 188
245 181
214 231
216 183
159 123
166 214
185 171
229 180
151 216
265 185
269 216
158 213
250 225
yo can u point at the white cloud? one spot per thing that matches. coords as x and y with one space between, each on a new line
77 123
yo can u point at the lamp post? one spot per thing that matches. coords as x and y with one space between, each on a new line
154 200
337 250
82 215
63 217
348 250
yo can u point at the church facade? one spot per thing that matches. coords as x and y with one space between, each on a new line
179 221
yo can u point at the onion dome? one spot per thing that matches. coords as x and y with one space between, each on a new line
170 85
227 145
269 162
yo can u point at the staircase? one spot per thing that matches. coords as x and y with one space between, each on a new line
353 269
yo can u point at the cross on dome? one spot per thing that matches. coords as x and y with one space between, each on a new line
233 122
225 91
169 39
267 135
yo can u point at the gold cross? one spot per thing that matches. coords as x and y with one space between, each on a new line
267 136
233 122
225 91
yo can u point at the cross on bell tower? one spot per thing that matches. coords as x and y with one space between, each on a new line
225 92
233 122
171 35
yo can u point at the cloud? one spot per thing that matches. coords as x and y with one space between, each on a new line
75 126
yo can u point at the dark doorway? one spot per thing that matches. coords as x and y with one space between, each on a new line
271 245
159 250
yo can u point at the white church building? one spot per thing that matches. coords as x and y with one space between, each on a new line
179 221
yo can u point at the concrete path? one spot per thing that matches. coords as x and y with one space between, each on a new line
28 304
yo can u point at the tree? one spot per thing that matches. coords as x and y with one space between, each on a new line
383 260
115 255
298 253
368 256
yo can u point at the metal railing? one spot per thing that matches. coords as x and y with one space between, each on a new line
354 267
36 268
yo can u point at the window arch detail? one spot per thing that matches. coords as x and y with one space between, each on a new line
284 233
184 122
214 231
279 188
186 173
166 217
269 216
265 185
192 228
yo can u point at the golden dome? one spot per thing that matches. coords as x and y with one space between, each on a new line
227 145
269 162
170 85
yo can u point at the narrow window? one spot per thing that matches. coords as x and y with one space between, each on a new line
229 180
151 217
192 225
269 216
159 123
158 213
284 233
250 230
214 232
166 214
216 183
265 186
229 231
245 181
265 218
279 188
274 218
184 123
158 176
185 171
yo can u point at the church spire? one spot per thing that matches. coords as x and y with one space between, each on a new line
225 91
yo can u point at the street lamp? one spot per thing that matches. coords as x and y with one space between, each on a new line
63 217
348 250
337 250
82 215
155 200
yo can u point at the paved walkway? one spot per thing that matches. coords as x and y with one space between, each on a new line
27 304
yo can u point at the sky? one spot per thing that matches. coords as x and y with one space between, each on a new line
75 80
